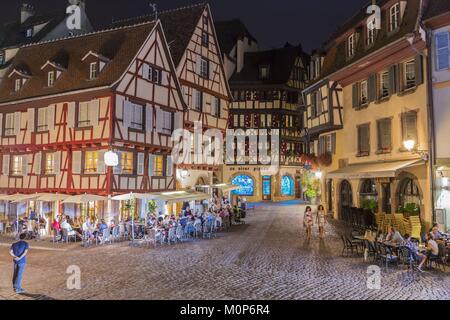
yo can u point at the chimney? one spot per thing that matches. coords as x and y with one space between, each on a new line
26 11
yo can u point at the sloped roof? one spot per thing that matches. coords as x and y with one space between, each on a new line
178 24
280 62
436 8
14 34
229 32
120 45
335 57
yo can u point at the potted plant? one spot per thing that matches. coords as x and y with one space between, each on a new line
312 186
325 160
370 204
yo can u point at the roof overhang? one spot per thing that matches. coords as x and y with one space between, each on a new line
53 65
20 73
374 170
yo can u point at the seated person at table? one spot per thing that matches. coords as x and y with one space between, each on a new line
394 236
414 250
432 250
88 228
435 233
68 227
102 226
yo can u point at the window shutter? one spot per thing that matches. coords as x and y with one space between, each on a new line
198 65
140 164
51 117
149 118
146 71
24 166
169 166
393 79
419 70
442 48
38 163
159 120
179 120
1 124
76 162
71 109
333 143
410 126
211 70
118 169
101 166
31 119
57 163
165 78
355 94
127 114
5 164
94 111
372 88
17 122
151 162
401 75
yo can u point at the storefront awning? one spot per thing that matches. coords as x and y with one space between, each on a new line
178 196
50 197
373 170
224 187
132 196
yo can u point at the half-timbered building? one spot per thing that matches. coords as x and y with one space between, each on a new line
267 96
195 51
65 103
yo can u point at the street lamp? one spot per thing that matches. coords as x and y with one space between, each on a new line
410 145
318 174
111 159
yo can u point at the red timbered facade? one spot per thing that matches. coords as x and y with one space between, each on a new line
67 102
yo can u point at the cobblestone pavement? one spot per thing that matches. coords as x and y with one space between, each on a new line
265 259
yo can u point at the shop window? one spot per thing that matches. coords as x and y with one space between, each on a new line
287 186
246 185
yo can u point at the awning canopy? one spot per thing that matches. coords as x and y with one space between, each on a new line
84 198
50 197
25 197
373 170
132 196
224 187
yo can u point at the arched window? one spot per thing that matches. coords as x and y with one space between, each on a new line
368 188
409 192
246 185
287 186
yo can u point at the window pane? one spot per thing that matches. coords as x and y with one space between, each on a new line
49 163
127 163
158 166
91 160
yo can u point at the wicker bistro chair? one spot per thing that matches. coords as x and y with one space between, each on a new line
179 233
369 251
348 246
115 234
151 237
440 259
171 237
106 236
86 238
386 256
406 258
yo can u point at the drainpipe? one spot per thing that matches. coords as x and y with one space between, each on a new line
431 124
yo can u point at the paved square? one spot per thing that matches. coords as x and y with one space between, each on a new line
265 259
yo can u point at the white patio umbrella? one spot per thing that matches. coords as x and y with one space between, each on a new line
129 197
84 198
50 197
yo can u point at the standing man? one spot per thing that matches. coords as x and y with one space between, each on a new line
19 252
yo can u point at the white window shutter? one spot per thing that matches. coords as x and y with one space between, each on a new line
31 119
145 71
24 166
38 163
198 65
5 164
57 163
159 120
151 165
94 112
101 166
179 123
71 115
149 118
17 122
165 78
127 114
118 169
169 166
51 117
211 70
76 162
1 124
140 164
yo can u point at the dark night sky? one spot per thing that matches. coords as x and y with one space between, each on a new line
272 22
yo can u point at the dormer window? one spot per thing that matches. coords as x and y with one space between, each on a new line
93 70
351 45
17 85
51 78
394 17
264 72
29 33
371 32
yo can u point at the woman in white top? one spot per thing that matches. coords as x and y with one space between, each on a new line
432 250
321 221
308 222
